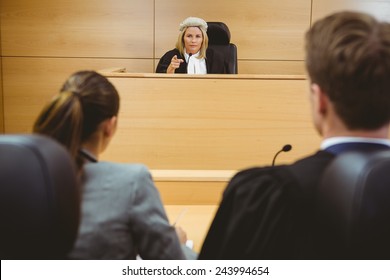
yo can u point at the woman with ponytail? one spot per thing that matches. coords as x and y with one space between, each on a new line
122 213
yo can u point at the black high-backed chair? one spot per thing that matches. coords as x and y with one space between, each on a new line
354 208
39 198
219 41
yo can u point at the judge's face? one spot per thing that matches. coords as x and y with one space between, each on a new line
193 39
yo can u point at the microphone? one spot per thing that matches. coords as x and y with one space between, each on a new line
285 148
189 56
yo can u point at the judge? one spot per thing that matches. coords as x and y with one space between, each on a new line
192 54
267 212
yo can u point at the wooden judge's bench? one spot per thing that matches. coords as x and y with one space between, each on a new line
195 131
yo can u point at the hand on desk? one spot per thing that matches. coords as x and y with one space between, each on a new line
181 234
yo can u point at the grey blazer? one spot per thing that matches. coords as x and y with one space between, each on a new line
122 216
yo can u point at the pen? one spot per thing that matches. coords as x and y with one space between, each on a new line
183 211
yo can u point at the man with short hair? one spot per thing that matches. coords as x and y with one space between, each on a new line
268 212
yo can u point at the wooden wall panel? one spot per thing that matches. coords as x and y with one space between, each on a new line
30 82
190 193
211 123
73 28
1 98
379 8
1 83
269 36
261 29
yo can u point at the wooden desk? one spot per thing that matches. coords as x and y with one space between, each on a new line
216 122
209 126
195 221
191 187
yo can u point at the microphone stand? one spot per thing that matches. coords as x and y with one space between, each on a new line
285 148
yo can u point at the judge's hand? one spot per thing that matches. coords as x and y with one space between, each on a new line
181 234
175 63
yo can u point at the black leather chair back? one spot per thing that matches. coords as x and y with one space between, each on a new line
219 41
354 207
39 198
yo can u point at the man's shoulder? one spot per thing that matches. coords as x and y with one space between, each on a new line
304 170
259 182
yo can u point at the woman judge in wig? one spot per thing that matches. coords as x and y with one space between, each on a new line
191 54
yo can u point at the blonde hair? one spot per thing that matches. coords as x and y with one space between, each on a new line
180 41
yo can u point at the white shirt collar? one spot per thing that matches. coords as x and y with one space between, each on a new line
187 56
338 140
194 64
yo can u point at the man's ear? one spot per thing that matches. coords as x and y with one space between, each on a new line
110 126
320 99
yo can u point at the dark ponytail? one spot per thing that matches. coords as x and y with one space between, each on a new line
86 100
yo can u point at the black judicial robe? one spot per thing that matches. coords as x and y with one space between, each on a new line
266 213
215 62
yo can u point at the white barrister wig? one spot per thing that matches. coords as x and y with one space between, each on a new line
192 22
